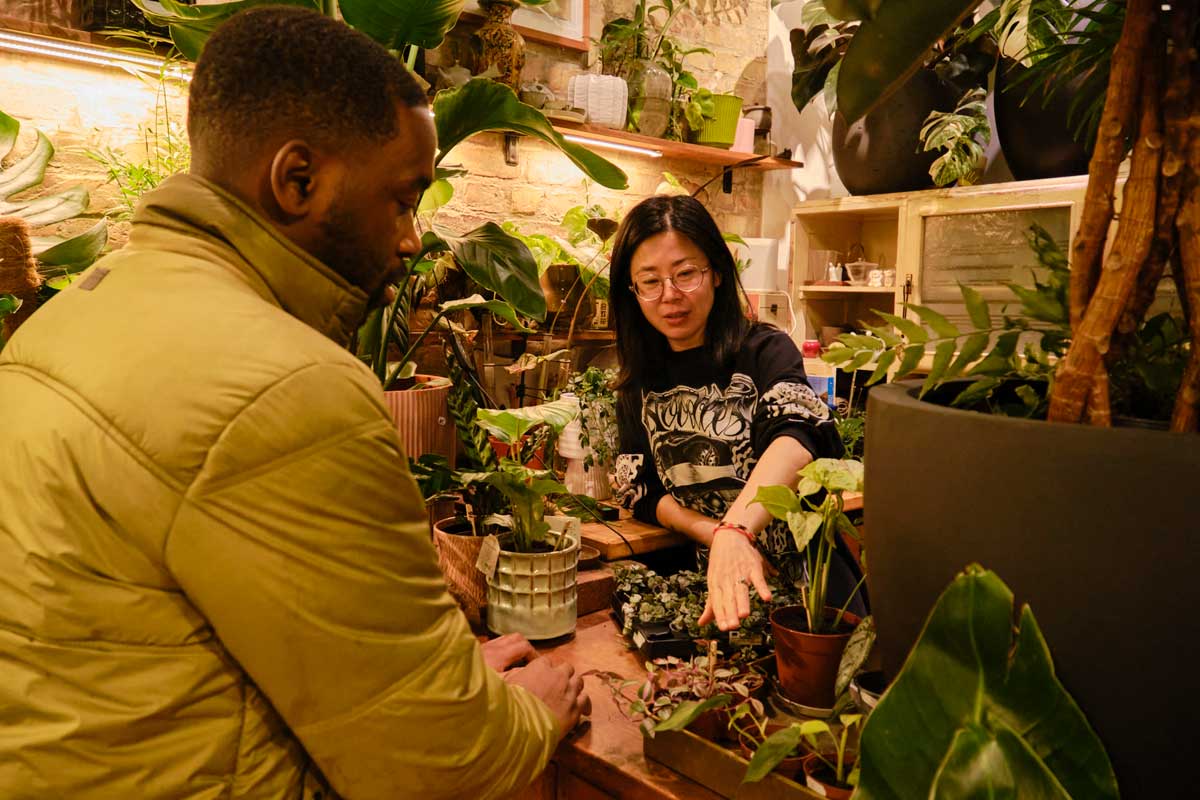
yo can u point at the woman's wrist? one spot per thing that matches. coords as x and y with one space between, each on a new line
737 528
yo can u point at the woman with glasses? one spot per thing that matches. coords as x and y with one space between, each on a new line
712 405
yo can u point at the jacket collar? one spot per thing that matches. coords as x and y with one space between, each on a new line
279 269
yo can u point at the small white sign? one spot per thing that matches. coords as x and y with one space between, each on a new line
489 556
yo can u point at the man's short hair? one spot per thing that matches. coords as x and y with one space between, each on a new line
275 73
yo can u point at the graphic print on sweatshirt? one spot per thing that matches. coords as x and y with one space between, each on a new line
700 441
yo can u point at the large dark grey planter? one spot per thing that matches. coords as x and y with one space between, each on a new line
1097 530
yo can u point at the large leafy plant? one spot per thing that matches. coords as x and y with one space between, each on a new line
977 711
58 258
1148 103
823 521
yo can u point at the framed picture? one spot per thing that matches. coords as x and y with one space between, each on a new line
560 22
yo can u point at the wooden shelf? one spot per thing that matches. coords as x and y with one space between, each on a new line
691 152
809 288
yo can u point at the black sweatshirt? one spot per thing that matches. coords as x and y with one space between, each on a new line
698 431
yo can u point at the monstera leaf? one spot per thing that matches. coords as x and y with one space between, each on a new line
481 105
970 715
889 46
501 263
395 23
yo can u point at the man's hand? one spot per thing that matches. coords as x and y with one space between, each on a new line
556 685
734 566
507 651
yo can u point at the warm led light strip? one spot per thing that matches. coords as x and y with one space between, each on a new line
625 148
86 54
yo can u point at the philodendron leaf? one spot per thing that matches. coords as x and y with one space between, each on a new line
498 307
502 264
855 655
396 23
689 711
9 128
509 425
29 171
779 501
889 47
78 252
804 526
774 749
52 208
835 474
964 674
482 105
8 304
437 195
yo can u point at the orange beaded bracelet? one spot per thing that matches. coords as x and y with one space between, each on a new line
735 526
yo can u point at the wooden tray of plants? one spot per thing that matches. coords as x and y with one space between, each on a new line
717 768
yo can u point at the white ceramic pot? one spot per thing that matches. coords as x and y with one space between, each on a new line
535 593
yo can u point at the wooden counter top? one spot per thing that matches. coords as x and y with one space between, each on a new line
603 758
642 538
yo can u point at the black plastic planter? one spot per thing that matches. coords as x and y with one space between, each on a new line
1095 529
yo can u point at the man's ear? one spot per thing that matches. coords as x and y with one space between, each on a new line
293 178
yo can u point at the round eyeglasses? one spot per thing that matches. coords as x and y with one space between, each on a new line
686 279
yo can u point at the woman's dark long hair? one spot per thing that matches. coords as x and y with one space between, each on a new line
642 350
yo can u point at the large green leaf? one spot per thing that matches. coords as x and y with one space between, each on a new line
9 128
689 711
482 105
77 252
970 710
29 171
396 23
889 47
498 307
49 209
509 425
501 263
779 501
191 25
8 304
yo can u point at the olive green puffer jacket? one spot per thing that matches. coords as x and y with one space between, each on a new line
216 579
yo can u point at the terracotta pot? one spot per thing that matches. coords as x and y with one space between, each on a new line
422 418
808 662
814 772
790 767
457 552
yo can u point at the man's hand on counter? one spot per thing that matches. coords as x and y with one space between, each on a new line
507 651
555 684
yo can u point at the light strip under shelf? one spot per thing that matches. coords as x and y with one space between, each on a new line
94 55
625 148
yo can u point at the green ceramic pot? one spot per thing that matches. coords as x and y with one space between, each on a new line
720 131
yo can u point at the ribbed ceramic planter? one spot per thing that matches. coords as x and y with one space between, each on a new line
721 130
535 593
457 553
422 418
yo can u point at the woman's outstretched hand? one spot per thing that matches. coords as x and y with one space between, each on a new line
734 566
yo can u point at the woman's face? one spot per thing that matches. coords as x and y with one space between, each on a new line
679 315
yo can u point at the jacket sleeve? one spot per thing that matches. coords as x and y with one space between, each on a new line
305 543
788 405
638 485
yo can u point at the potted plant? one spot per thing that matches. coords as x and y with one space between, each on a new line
1074 498
830 770
811 637
699 694
32 269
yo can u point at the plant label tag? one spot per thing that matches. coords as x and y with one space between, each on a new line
639 639
489 556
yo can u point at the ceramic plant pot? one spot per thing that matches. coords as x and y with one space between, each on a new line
535 593
722 129
457 552
808 662
497 43
422 417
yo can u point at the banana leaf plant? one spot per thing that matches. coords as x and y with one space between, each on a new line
977 711
58 258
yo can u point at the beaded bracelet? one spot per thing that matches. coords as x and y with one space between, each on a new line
735 526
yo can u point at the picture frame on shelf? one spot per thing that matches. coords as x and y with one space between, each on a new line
563 23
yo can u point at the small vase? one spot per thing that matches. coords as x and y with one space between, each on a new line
649 98
497 44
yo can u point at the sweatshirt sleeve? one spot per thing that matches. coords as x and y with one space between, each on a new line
638 485
788 405
305 543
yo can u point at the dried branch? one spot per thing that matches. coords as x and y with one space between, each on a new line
1091 337
1116 124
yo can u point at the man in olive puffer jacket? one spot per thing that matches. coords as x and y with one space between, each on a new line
216 579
